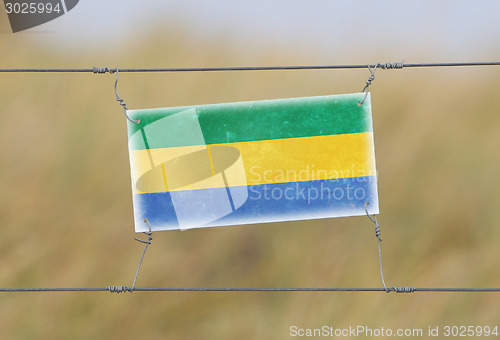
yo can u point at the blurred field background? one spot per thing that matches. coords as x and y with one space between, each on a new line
66 208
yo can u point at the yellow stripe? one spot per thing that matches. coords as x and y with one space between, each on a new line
211 160
308 159
281 160
164 176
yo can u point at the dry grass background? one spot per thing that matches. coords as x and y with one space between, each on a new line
66 209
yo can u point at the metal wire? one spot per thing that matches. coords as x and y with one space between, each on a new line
365 90
248 68
377 235
373 218
147 242
118 98
173 289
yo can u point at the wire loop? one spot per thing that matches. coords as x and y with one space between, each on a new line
377 234
120 100
368 83
373 218
385 66
102 70
147 242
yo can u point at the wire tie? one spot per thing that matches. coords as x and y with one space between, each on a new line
379 239
373 218
377 234
102 70
393 66
404 289
121 289
120 100
368 83
147 243
117 289
386 66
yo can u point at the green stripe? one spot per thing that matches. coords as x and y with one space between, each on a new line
259 120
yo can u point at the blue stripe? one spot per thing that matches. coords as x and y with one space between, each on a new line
265 203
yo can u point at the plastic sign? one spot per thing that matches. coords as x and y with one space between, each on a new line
252 162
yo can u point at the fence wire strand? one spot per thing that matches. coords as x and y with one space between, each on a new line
173 289
247 68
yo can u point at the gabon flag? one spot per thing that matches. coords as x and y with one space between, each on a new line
252 162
